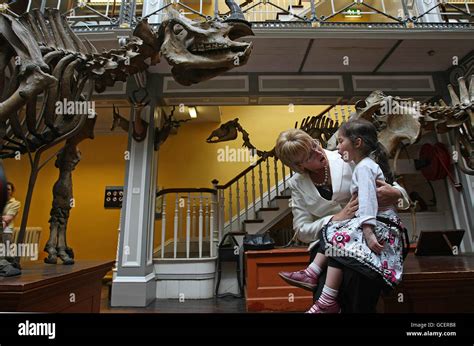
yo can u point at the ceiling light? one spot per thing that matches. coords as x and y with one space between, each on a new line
192 112
352 13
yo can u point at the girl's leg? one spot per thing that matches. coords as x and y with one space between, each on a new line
307 278
334 278
327 302
317 266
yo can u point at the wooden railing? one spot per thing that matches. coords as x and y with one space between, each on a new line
258 183
193 232
200 217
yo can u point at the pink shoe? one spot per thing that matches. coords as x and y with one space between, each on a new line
300 279
319 308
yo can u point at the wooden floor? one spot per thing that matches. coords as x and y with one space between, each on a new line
221 305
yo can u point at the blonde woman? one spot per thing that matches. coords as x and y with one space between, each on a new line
320 193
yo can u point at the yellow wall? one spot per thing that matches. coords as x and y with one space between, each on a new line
185 160
92 230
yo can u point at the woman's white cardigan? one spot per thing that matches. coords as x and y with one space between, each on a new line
311 212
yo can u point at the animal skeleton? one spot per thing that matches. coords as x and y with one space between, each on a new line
320 127
42 62
403 119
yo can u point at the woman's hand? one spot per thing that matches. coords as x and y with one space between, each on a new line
387 195
371 240
349 210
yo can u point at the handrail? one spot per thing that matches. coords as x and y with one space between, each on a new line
186 190
240 175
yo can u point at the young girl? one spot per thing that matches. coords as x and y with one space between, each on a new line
371 242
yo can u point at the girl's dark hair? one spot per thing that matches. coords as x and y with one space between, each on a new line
366 131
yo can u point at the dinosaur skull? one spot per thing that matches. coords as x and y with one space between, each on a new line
199 51
226 132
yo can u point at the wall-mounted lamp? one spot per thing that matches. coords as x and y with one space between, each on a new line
192 112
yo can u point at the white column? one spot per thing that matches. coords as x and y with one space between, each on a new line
134 284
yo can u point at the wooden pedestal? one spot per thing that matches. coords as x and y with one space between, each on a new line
265 290
55 288
433 284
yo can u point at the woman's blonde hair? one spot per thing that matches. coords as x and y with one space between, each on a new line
293 145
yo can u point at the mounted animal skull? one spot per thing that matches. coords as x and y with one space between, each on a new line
199 51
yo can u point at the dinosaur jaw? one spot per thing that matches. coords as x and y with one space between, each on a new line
208 61
218 139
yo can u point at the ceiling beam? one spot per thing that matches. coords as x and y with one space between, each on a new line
390 52
308 49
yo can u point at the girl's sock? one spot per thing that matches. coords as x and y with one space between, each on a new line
328 296
313 270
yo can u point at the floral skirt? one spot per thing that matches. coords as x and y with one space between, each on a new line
345 242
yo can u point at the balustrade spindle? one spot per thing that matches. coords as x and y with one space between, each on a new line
194 219
284 176
253 193
336 115
175 245
206 217
246 198
200 225
163 226
260 181
275 165
211 225
222 214
181 229
238 205
188 225
268 182
230 208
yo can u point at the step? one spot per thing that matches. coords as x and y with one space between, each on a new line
271 213
282 197
270 216
295 6
269 209
254 221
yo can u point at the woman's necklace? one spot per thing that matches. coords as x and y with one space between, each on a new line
326 177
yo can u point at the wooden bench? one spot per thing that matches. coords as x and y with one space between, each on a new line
265 290
433 284
430 283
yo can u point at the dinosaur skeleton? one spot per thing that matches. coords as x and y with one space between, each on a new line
396 119
42 62
320 127
404 120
